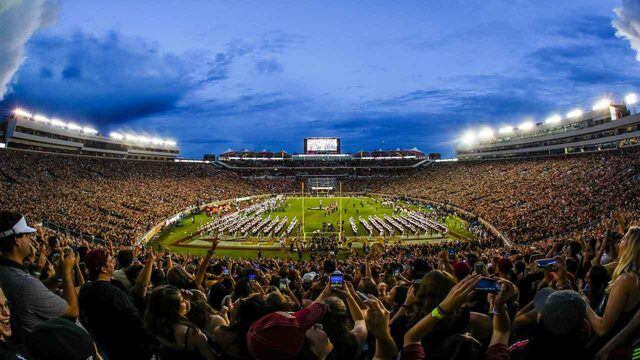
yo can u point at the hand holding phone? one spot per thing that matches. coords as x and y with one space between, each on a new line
336 280
544 263
488 285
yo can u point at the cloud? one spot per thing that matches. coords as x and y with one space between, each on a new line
268 66
628 23
108 79
19 20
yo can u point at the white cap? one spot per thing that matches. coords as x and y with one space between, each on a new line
19 228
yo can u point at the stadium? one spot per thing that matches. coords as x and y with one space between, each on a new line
522 242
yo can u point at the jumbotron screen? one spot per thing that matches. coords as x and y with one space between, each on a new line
321 145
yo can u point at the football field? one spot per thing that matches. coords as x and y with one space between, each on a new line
311 211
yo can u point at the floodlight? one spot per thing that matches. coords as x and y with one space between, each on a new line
41 118
58 122
631 99
131 137
602 104
485 133
21 112
553 119
89 130
526 126
469 138
116 136
574 113
506 130
144 139
171 143
157 141
72 126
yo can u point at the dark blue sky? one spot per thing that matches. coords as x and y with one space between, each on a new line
266 74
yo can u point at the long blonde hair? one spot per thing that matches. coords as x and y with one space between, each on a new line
629 260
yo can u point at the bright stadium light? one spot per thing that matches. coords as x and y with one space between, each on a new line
574 113
554 119
144 139
486 133
506 130
22 113
526 126
131 137
72 126
171 143
41 118
469 138
157 141
89 130
58 122
117 136
631 99
602 104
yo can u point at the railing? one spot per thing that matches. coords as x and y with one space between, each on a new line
71 232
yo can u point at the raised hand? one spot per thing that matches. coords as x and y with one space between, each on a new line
459 293
377 318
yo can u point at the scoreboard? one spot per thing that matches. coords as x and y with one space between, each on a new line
321 145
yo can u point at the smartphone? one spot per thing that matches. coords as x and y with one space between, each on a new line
488 285
478 268
451 251
543 263
225 271
396 272
336 280
252 276
283 284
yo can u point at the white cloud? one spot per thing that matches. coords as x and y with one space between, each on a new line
628 23
19 20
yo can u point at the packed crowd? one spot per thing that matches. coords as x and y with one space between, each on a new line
116 200
66 299
350 163
534 199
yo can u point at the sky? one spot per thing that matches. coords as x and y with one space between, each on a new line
266 74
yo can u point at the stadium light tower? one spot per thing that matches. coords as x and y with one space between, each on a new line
505 130
574 113
526 126
469 138
553 119
117 136
486 133
41 118
631 99
21 113
602 104
58 122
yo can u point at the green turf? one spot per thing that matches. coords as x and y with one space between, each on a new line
313 219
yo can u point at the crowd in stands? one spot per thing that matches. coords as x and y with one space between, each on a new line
333 163
116 200
67 299
534 199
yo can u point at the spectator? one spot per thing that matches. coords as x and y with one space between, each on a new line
109 313
30 300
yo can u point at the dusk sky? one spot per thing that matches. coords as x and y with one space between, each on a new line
265 74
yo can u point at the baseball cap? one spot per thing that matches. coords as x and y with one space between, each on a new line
309 277
60 339
281 335
461 269
563 311
20 227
